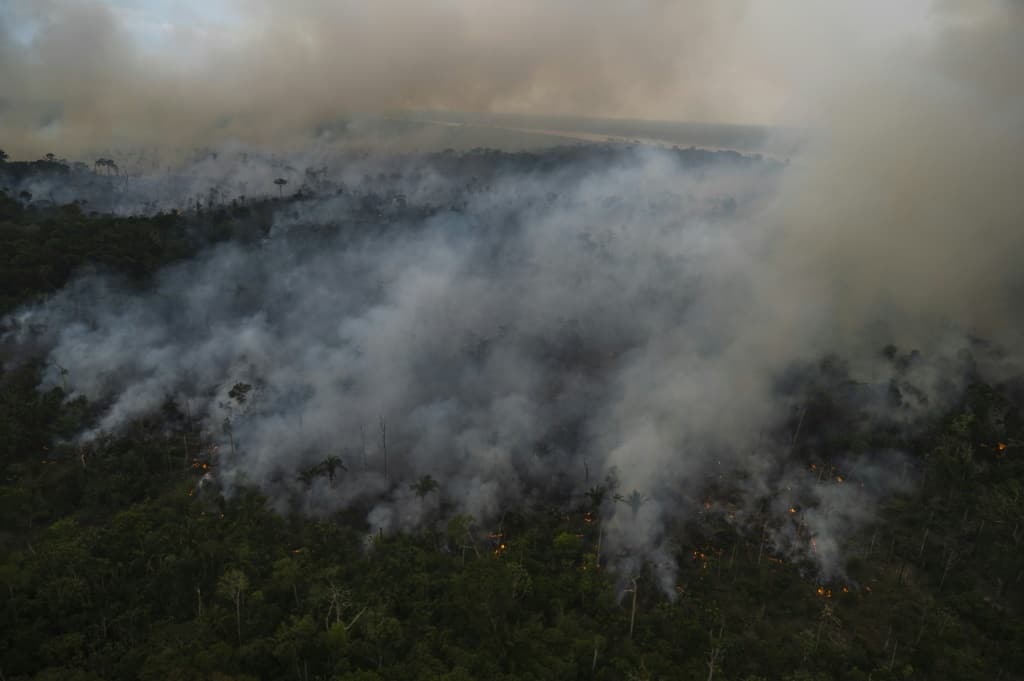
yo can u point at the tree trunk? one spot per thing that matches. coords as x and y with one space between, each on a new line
238 616
384 446
632 614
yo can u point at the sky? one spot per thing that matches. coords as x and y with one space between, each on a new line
87 73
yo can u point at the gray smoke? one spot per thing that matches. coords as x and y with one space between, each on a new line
557 327
638 316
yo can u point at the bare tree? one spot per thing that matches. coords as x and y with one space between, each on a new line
716 652
632 612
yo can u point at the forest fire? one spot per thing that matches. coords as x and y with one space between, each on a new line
824 592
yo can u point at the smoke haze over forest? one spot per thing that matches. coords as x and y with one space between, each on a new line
526 331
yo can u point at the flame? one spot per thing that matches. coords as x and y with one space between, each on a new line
707 504
824 593
814 467
298 550
1001 446
839 479
792 509
588 517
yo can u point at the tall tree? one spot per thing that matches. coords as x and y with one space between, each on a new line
232 586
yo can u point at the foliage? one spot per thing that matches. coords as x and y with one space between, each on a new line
116 564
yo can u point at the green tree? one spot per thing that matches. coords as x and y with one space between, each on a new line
232 586
424 486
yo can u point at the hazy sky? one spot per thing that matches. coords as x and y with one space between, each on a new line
82 73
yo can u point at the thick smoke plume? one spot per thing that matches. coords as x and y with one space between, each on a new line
634 318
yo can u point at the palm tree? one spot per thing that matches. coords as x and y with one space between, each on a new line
330 465
634 500
105 163
280 182
424 486
596 495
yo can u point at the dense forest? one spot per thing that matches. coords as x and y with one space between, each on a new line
124 556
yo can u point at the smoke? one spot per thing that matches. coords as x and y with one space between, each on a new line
84 76
554 328
909 204
630 317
